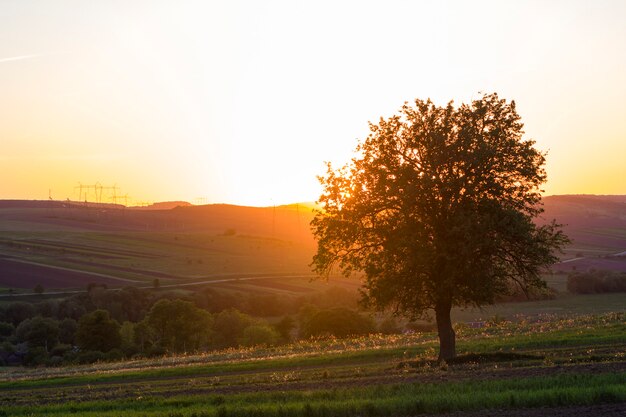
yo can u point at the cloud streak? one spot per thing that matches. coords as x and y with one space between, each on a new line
20 58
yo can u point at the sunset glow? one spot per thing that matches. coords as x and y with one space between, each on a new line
242 102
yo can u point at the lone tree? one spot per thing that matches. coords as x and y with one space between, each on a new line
437 211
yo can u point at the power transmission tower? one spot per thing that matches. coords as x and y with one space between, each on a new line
83 191
50 203
98 191
114 189
124 197
81 187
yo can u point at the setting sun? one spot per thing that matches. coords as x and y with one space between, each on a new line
243 102
286 208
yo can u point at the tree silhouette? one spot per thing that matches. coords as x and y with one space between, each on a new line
436 209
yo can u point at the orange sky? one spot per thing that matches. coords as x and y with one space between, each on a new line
242 102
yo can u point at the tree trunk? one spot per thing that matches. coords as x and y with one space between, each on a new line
447 341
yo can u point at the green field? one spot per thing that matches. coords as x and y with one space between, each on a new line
142 256
546 363
563 304
135 246
566 351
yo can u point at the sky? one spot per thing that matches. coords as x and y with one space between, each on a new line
242 102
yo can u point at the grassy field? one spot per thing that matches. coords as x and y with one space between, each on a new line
171 257
553 353
137 258
563 304
174 246
547 362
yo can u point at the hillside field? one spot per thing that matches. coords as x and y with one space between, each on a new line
561 356
554 366
65 246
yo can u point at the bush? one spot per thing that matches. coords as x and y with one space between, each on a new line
229 326
97 330
90 356
38 332
179 326
259 335
285 327
155 350
596 282
339 322
60 350
36 356
7 347
67 331
421 326
389 326
515 294
55 361
19 311
6 329
114 355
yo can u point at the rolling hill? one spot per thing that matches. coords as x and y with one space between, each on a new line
65 245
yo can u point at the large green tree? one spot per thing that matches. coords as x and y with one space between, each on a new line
39 332
179 326
438 209
98 331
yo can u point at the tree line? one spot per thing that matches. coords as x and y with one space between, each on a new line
596 282
107 325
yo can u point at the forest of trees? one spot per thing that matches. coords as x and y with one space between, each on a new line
106 325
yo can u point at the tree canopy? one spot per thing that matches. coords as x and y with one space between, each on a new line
437 209
179 325
97 331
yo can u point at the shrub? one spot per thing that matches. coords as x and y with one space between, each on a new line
60 350
515 294
38 332
36 356
114 355
90 356
19 311
421 326
339 322
284 328
6 329
596 282
229 326
179 326
67 330
389 326
259 335
97 331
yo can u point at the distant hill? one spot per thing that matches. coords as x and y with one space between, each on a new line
597 222
597 226
164 205
290 222
594 222
63 244
67 245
